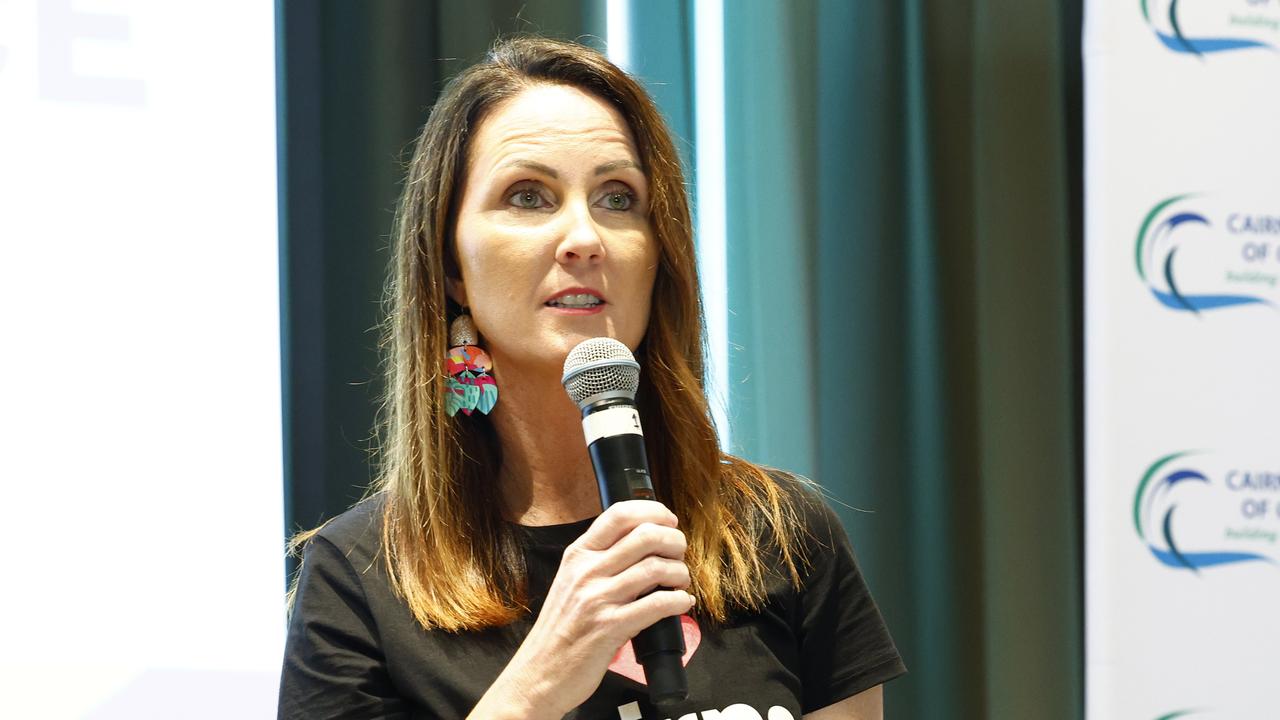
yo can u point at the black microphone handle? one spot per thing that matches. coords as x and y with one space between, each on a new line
622 472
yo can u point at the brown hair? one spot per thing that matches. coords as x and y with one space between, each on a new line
449 554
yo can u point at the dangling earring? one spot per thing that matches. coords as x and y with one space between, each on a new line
469 385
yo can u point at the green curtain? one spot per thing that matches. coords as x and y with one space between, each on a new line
903 220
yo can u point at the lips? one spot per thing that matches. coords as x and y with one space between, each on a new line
577 298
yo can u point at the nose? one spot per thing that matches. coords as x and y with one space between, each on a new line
581 243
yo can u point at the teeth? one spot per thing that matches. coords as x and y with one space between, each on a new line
579 300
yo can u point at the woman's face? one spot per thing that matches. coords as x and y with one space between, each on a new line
553 239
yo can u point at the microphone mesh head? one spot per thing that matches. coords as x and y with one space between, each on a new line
600 365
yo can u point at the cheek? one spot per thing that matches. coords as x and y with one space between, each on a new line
642 272
493 264
651 257
491 281
503 277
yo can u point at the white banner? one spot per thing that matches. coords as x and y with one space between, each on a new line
1182 126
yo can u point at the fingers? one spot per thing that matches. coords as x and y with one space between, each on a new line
648 574
620 518
645 611
644 540
632 558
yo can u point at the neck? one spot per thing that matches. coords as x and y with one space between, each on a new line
546 475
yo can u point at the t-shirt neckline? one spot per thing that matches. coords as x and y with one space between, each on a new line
554 535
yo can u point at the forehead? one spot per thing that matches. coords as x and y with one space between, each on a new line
555 119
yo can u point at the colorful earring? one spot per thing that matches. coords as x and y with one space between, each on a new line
469 385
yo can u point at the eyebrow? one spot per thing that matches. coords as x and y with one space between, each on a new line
615 165
547 170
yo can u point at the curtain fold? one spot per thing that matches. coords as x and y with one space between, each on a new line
1027 379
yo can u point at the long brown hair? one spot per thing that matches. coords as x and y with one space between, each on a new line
448 553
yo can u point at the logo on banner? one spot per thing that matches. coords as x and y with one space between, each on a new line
1211 714
1196 255
1201 29
1197 510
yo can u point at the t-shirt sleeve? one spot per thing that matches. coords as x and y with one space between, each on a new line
333 662
845 647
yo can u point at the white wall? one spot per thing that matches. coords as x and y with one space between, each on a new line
140 449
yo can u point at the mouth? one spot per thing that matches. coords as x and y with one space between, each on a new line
576 299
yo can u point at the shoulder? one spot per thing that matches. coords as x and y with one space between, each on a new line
797 532
816 523
357 533
338 561
845 645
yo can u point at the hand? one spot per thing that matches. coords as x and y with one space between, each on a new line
600 598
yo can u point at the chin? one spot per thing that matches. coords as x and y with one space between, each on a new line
549 349
631 339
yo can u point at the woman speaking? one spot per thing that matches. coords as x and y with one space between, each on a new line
544 206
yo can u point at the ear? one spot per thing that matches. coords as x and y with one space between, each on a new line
456 291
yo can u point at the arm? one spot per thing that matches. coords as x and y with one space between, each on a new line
333 662
866 705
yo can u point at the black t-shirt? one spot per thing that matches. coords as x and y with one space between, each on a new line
355 651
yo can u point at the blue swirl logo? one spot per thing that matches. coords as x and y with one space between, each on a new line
1169 29
1177 714
1162 233
1154 508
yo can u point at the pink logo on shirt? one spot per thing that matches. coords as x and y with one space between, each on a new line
624 663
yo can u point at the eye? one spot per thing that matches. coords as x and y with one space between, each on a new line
526 197
619 198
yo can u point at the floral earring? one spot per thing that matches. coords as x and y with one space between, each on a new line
469 385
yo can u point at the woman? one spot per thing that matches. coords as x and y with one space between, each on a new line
545 205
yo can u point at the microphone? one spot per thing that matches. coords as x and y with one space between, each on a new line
601 377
